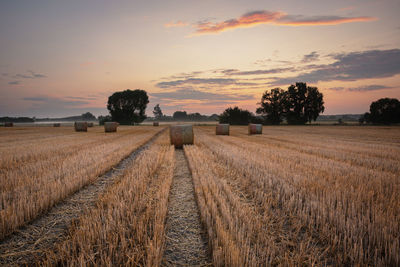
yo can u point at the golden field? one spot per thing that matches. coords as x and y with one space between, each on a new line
295 195
300 195
41 166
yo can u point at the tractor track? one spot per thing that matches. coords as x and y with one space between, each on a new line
28 244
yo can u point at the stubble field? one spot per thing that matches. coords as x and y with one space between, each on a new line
306 195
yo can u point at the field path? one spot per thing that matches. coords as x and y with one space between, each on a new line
28 243
185 243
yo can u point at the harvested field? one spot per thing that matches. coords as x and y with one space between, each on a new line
41 166
30 242
126 228
300 195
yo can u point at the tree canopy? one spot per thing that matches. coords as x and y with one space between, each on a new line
129 106
273 106
298 105
384 110
304 104
236 116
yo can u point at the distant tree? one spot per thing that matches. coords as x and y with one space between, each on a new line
157 112
214 117
304 104
128 106
88 116
103 119
180 115
236 116
273 104
385 110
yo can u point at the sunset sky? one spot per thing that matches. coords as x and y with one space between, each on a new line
60 58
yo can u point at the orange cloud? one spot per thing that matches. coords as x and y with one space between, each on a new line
247 20
175 24
320 20
278 18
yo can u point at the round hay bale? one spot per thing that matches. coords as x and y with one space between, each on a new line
90 124
181 135
222 129
255 128
80 126
110 126
8 124
155 123
56 124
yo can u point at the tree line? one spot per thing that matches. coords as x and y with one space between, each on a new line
299 104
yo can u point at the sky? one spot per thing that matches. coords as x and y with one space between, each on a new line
61 58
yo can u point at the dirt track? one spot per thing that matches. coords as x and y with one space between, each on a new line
185 243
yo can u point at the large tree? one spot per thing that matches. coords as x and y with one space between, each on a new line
273 105
236 116
128 106
384 110
304 104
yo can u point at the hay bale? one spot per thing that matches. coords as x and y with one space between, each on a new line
155 123
56 124
222 129
8 124
255 128
90 124
181 135
110 126
80 126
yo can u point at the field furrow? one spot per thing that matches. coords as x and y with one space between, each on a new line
32 188
321 209
127 225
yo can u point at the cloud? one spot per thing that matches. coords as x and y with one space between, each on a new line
175 24
256 72
53 101
31 75
247 20
300 20
368 88
351 67
14 83
36 75
193 94
213 81
338 89
313 56
255 18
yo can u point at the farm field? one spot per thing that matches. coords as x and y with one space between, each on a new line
41 166
301 195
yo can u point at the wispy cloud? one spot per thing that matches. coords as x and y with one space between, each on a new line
53 101
193 94
351 67
247 20
300 20
29 75
208 81
313 56
363 88
255 18
256 72
175 24
13 82
367 88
